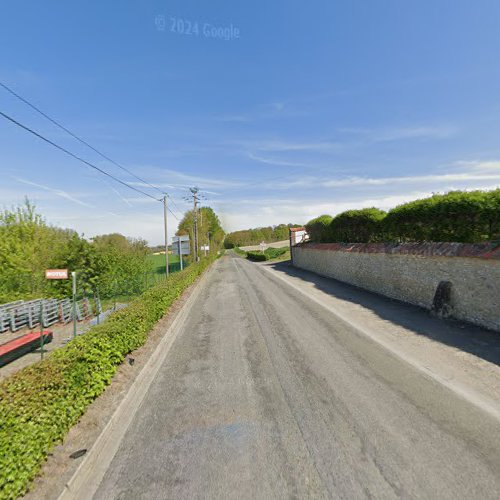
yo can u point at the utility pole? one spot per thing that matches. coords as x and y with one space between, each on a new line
165 208
195 190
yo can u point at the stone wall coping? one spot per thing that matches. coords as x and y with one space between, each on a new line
485 250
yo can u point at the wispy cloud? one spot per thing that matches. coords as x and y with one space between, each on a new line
479 165
57 192
140 200
272 110
276 161
181 180
125 200
417 179
401 133
486 173
278 106
297 146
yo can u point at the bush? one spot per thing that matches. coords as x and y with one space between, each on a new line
269 254
254 236
319 229
257 256
358 226
39 404
456 216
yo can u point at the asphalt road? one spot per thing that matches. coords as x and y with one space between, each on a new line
266 394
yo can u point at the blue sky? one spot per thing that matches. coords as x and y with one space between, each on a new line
315 107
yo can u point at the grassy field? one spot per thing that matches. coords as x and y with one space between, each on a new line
153 277
158 262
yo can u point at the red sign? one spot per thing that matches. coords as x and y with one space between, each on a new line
56 274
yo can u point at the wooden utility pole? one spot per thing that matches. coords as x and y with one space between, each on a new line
195 190
165 208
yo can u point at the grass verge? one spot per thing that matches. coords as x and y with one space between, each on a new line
39 404
239 251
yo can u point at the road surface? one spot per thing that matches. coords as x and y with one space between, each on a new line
266 394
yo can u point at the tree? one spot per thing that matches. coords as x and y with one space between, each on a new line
254 236
210 231
28 246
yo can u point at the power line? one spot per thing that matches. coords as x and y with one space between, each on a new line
62 127
38 110
173 202
73 155
175 216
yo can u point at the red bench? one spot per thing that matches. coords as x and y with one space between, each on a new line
22 345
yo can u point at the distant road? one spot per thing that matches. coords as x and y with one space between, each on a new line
276 244
266 394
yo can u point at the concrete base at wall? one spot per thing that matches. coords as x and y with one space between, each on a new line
457 280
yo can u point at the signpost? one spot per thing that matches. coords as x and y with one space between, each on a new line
51 274
180 247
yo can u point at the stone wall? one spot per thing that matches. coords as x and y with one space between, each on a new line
412 273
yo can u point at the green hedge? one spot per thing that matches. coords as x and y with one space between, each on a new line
257 256
39 404
269 254
359 226
457 216
319 228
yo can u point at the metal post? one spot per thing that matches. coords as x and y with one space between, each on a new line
96 303
73 276
166 237
180 251
41 329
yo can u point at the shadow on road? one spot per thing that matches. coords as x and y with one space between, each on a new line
482 343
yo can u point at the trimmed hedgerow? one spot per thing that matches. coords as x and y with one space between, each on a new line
319 229
467 217
358 226
268 254
39 404
457 216
257 256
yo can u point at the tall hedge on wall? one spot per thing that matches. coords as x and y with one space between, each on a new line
319 228
460 216
455 216
358 226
